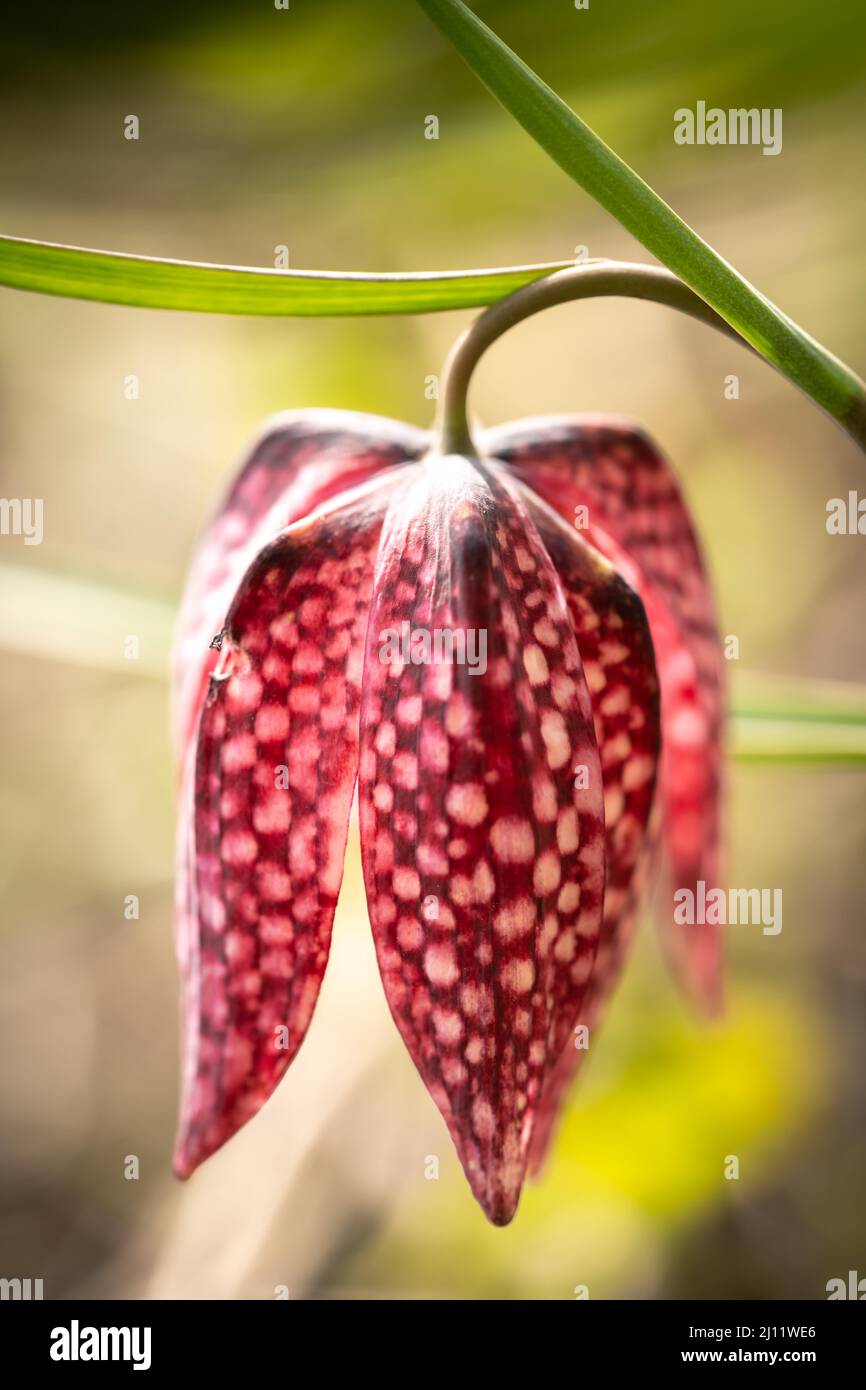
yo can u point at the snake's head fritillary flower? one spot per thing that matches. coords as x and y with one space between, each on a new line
439 630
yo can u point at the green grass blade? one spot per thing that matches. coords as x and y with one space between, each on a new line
82 622
608 179
796 743
147 282
800 700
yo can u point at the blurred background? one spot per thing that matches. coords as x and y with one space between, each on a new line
306 128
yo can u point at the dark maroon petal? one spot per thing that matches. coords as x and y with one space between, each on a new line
301 460
483 863
265 815
637 518
617 653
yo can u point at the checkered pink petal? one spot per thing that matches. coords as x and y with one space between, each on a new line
265 815
636 516
484 865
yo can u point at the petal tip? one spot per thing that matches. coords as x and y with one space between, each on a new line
194 1146
183 1165
501 1216
499 1201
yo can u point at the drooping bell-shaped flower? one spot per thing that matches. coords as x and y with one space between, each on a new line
438 629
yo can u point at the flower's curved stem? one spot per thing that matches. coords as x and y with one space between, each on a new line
619 278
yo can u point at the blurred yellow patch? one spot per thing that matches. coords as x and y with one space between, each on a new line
640 1155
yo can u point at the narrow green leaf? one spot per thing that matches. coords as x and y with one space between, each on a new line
800 700
608 179
782 741
147 282
82 622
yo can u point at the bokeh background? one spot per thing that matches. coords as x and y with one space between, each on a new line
306 127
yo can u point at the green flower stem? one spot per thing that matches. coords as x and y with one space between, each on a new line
612 183
578 282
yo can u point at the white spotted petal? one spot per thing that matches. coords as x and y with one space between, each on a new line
483 851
